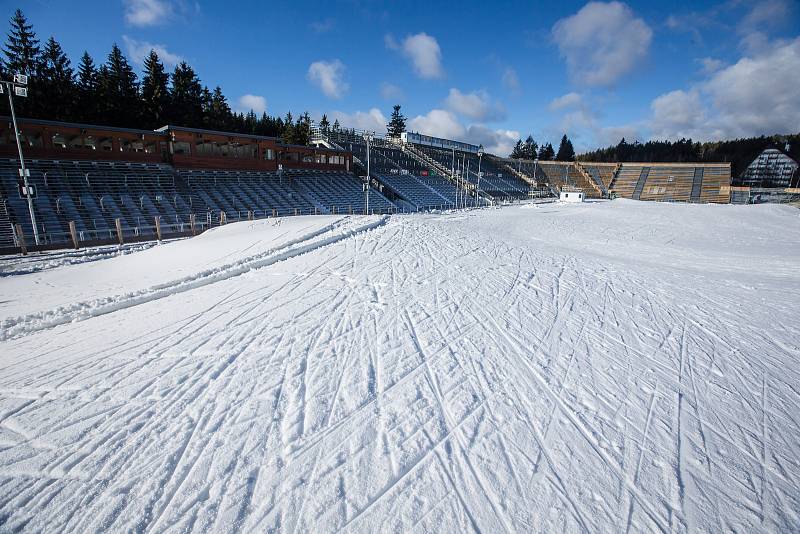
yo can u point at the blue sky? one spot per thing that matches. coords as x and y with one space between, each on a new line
486 72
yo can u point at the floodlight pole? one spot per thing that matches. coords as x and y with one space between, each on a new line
367 138
10 88
453 174
478 188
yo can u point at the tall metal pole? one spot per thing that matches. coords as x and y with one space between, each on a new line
463 176
478 189
366 186
22 164
453 174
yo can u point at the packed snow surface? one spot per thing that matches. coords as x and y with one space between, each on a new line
610 366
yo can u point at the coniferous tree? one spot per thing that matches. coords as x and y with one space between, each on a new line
288 129
324 125
397 123
566 152
335 126
155 92
516 152
529 148
86 110
56 83
118 91
187 97
22 56
302 130
220 116
546 153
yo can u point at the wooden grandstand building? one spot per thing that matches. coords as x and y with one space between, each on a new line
179 146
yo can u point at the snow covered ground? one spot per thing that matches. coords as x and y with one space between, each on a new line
608 366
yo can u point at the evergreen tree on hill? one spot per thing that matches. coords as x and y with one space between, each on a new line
22 56
219 116
336 126
118 92
56 83
324 125
546 153
187 97
302 130
529 148
86 110
516 152
155 92
566 152
288 129
397 123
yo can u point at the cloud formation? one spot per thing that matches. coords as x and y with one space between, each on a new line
423 51
754 96
477 105
255 102
139 50
444 123
372 120
569 100
602 42
329 77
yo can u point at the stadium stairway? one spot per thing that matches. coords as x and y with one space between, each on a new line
637 191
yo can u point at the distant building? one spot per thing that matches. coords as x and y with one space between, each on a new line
772 168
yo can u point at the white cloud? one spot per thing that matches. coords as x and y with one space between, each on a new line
477 105
569 100
759 94
328 75
139 50
438 123
677 114
602 42
511 80
498 142
709 65
255 102
754 96
391 92
372 120
444 123
147 12
423 51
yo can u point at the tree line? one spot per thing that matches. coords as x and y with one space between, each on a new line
111 94
738 152
529 149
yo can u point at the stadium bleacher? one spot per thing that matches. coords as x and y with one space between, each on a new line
95 193
673 182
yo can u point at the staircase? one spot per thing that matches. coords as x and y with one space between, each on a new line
6 228
697 184
637 192
521 175
592 180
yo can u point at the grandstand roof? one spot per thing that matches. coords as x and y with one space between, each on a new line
169 127
82 126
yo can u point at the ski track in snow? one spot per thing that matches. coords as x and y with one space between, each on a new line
447 372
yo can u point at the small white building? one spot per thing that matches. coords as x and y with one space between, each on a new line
571 196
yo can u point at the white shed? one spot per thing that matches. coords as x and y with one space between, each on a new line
571 196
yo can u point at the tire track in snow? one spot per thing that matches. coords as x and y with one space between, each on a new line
31 323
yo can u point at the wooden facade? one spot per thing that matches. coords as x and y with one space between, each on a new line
182 147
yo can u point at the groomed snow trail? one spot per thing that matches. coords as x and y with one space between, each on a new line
616 366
